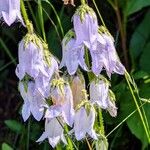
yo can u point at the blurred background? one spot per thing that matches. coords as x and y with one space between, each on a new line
129 23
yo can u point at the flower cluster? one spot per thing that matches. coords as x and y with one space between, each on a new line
61 100
87 35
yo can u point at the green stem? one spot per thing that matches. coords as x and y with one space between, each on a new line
41 19
122 122
28 133
100 16
138 108
24 13
101 122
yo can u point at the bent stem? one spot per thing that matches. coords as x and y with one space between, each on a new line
123 121
138 108
24 14
100 16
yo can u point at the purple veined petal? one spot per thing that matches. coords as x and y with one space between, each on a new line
71 58
53 111
97 65
42 137
10 11
36 111
67 107
20 70
55 132
54 141
9 18
112 109
86 30
81 59
90 122
26 111
81 29
80 124
120 69
93 28
99 93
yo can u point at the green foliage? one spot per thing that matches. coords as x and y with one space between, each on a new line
5 146
14 126
135 5
140 38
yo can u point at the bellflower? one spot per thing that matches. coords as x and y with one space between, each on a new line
33 101
43 82
84 123
62 99
53 131
72 57
85 26
77 87
101 95
31 60
105 56
10 11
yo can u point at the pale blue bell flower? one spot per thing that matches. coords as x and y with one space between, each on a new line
33 101
31 60
105 56
10 11
62 104
84 123
72 57
54 132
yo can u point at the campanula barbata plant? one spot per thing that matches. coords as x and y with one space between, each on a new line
66 104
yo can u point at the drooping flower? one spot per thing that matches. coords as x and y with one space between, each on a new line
85 26
62 99
36 61
83 123
43 82
72 57
101 95
10 11
77 87
30 60
105 56
53 131
33 101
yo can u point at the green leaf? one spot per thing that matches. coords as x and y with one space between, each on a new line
5 146
140 37
134 6
144 60
14 125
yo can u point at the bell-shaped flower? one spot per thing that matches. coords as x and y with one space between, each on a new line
62 99
105 56
10 11
72 57
31 60
101 95
83 123
77 87
53 131
33 101
85 26
43 82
